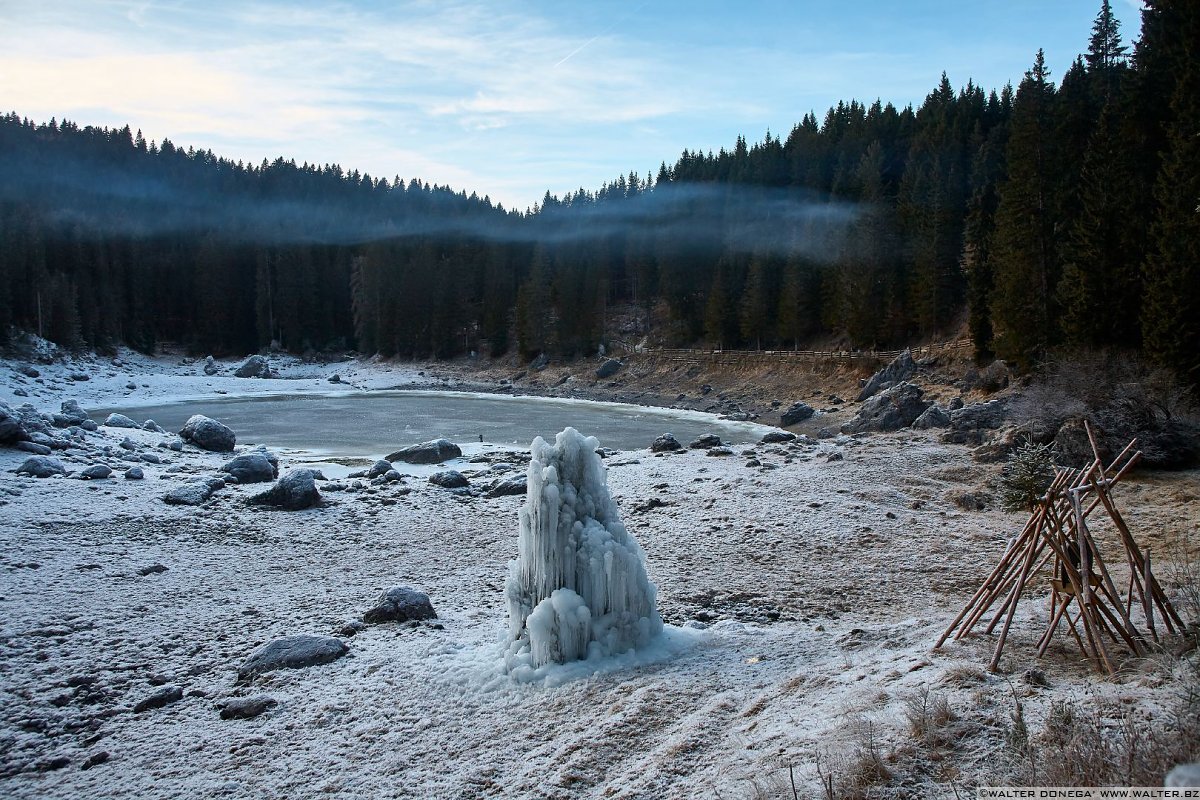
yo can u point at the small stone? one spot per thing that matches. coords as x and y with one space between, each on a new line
152 569
705 442
665 443
381 467
134 474
119 421
163 697
400 604
95 759
96 472
247 707
291 652
41 467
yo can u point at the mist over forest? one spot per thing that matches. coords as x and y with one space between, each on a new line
1056 213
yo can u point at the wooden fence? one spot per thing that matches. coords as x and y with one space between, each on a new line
792 356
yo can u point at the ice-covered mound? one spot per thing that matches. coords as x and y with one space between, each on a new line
578 588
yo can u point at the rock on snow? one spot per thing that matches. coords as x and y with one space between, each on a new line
291 652
208 434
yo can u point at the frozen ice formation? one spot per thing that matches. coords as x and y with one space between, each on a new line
578 588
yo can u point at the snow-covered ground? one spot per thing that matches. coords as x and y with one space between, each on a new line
802 598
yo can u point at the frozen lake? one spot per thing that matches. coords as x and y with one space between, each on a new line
372 424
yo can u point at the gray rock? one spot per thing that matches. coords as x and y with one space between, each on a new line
119 421
150 458
254 367
901 369
540 363
665 443
719 451
291 652
96 472
151 569
193 493
1183 776
131 386
90 425
252 467
33 421
449 479
247 707
400 604
432 452
705 442
295 491
335 378
971 424
512 485
11 429
80 376
19 392
71 414
208 434
128 444
934 417
134 474
28 371
777 437
154 427
210 366
41 467
796 413
35 448
380 467
164 696
890 410
609 368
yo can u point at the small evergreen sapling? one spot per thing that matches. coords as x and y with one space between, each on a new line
1026 477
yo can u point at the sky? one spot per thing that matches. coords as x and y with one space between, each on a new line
506 99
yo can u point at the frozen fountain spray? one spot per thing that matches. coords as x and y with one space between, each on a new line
578 587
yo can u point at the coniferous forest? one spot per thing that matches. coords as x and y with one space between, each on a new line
1056 213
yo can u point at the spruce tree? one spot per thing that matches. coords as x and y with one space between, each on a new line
1025 260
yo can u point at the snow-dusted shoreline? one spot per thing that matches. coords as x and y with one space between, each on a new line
818 582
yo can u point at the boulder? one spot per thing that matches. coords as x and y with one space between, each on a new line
208 434
540 363
970 424
152 426
609 368
210 366
778 437
247 707
380 467
253 467
71 414
449 479
119 421
901 369
890 410
400 604
11 429
512 485
34 447
934 417
295 491
291 652
134 474
32 420
254 367
96 472
664 443
705 442
41 467
432 452
796 413
335 378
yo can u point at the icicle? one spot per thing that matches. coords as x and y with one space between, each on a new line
578 587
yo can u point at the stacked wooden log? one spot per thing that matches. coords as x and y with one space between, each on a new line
1083 594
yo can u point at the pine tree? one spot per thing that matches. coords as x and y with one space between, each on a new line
1025 265
1171 304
